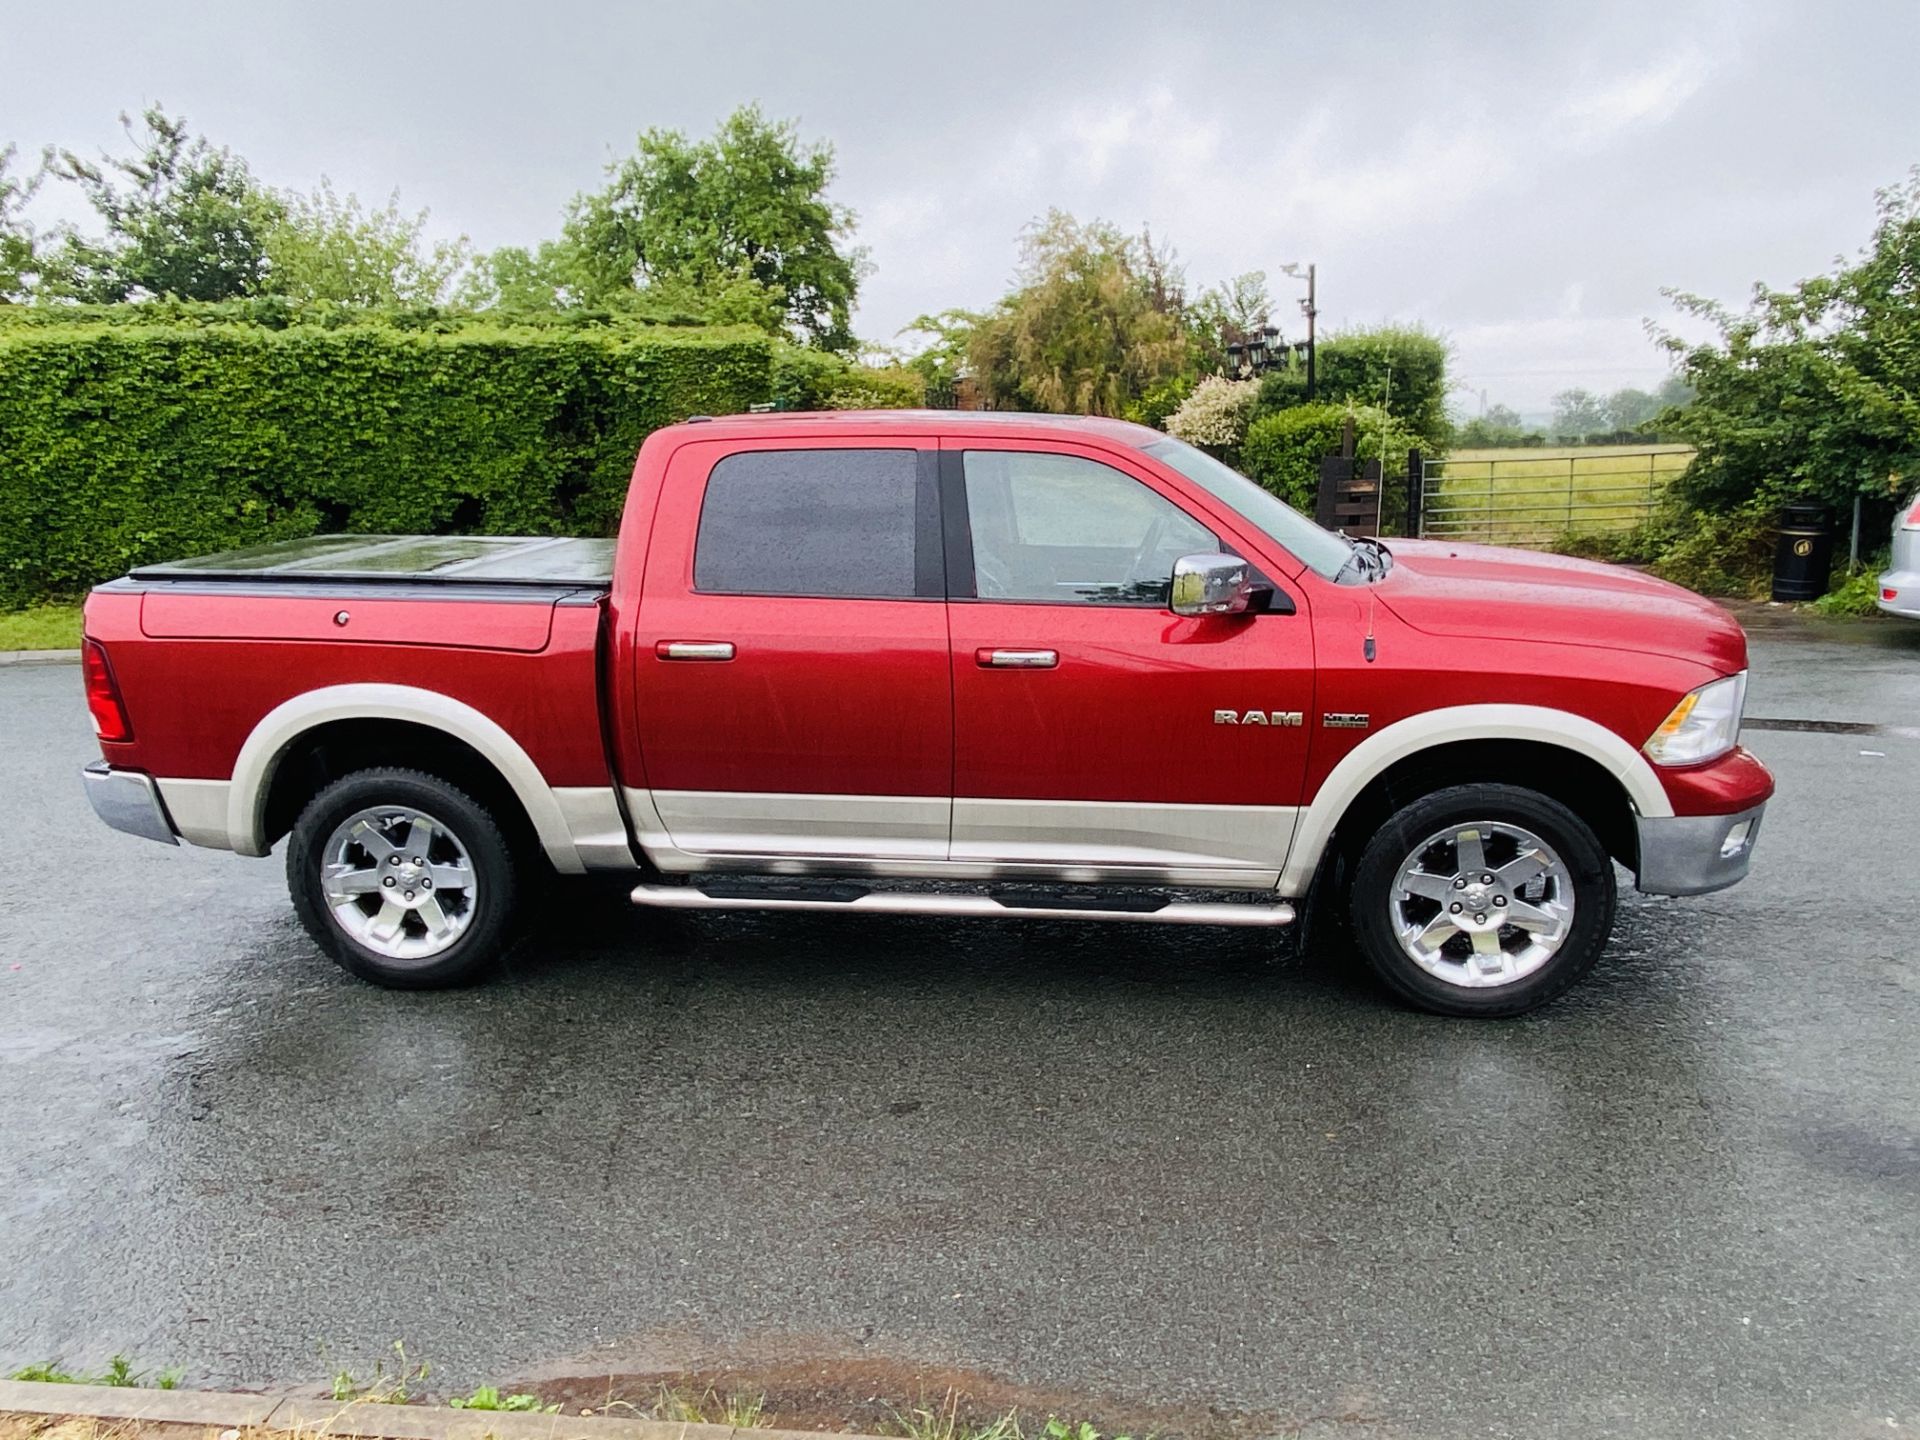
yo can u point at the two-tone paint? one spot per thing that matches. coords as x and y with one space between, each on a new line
644 724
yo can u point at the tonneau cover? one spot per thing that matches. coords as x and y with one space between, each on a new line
492 559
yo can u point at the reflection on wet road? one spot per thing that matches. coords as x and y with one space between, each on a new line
1159 1169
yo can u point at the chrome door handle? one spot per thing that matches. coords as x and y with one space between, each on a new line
694 650
1018 659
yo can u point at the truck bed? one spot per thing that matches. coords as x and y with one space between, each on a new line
542 560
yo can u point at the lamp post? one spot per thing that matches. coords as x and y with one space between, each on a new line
1310 310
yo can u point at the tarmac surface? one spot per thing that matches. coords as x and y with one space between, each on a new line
1161 1177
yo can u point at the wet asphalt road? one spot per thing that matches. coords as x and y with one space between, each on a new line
1152 1167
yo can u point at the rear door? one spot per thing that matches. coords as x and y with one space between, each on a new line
793 686
1095 731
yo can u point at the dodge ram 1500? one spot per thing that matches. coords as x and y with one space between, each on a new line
939 664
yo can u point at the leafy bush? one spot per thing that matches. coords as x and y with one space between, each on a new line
1283 451
122 445
1855 594
1160 401
874 387
1717 554
1215 415
1404 368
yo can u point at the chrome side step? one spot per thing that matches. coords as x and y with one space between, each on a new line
912 902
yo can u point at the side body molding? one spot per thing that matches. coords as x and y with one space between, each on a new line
1371 758
259 757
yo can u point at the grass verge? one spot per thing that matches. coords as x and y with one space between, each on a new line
41 627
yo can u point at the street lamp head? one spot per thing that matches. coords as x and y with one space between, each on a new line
1296 270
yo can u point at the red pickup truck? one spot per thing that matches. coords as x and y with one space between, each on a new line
939 664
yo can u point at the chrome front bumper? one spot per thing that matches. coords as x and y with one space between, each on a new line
1695 854
128 800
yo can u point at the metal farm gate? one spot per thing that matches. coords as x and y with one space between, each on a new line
1526 496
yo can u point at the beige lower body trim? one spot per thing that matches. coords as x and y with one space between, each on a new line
596 835
736 822
1236 847
1124 834
594 824
198 809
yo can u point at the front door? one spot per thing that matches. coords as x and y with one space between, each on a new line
793 687
1091 728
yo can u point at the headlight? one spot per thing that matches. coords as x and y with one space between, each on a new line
1704 724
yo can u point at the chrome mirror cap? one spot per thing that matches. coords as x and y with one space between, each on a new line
1211 585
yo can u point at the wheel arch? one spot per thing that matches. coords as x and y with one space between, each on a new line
1586 767
323 732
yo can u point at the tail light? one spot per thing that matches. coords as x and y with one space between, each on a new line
1912 522
103 695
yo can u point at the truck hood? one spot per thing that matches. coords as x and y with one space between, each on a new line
1499 594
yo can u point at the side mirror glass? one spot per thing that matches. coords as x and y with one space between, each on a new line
1211 585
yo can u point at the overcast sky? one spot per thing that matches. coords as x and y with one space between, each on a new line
1523 177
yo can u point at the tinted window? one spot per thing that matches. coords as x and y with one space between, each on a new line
1072 531
848 523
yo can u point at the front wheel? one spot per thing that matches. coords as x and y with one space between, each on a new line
402 878
1483 900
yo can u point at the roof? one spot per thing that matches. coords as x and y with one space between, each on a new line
945 422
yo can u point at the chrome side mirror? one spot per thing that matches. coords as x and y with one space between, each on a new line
1211 585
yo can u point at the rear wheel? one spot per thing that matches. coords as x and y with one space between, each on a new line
1483 900
403 879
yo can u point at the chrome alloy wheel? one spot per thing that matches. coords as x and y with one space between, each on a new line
399 882
1481 904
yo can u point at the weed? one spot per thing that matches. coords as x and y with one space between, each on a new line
47 1372
737 1409
943 1422
119 1373
488 1397
1058 1429
383 1387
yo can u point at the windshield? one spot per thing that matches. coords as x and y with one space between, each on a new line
1323 552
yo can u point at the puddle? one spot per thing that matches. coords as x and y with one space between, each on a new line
1833 727
860 1391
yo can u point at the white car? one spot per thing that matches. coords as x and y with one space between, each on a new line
1900 585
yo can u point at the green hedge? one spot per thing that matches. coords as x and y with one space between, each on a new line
1283 451
124 444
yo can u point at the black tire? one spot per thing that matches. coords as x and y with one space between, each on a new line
1373 897
495 890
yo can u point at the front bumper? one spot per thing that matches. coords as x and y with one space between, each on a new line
1695 854
128 800
1905 585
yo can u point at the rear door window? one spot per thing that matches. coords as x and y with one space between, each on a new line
850 524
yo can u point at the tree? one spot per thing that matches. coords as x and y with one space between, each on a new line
1812 392
323 247
1092 325
748 207
182 218
1497 425
1579 412
18 245
1230 313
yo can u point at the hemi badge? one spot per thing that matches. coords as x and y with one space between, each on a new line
1346 722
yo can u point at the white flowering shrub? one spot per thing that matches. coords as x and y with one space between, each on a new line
1216 413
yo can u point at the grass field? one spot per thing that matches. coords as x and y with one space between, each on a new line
1518 495
43 627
